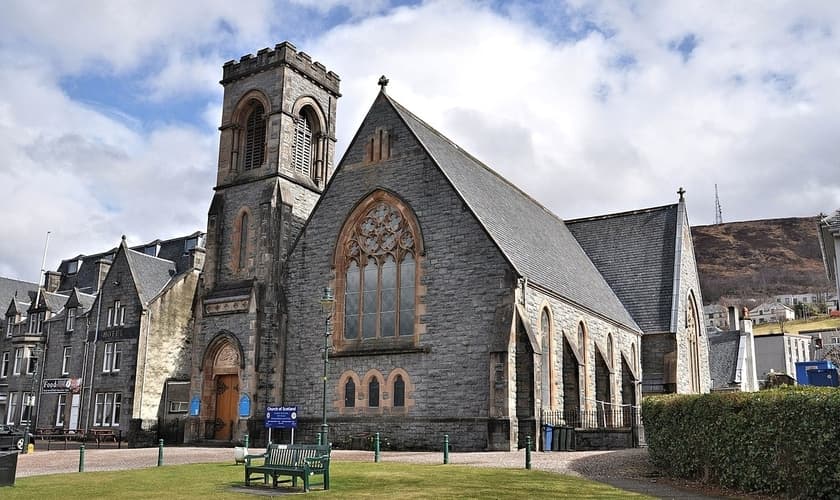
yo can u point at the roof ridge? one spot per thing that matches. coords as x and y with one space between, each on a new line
620 214
155 257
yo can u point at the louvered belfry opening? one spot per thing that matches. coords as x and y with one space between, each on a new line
254 137
303 145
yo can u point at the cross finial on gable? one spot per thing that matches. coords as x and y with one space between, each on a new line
681 192
383 82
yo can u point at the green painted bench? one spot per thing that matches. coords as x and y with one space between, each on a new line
293 460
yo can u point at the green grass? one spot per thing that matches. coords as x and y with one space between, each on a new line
797 325
348 480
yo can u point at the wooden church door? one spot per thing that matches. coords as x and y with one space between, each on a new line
227 396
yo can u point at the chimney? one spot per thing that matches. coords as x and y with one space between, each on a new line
102 268
197 255
52 280
734 318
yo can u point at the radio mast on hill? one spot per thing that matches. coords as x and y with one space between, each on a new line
718 210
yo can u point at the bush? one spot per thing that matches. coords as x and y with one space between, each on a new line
780 441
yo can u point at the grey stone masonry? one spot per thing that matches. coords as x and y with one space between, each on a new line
463 313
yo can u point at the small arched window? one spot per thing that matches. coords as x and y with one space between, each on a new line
399 392
610 348
302 150
373 393
254 144
582 340
633 354
243 241
350 394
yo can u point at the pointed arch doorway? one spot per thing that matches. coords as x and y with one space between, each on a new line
222 364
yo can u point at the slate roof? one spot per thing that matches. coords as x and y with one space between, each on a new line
150 274
55 301
535 241
723 358
635 253
10 289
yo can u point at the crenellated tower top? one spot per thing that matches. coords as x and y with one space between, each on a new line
283 54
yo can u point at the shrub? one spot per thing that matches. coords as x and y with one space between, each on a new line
780 441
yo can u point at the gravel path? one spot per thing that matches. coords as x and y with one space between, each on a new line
626 469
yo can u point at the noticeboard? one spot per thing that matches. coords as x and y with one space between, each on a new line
281 417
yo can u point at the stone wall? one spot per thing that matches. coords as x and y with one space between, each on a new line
464 309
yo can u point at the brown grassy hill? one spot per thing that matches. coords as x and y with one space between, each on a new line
753 259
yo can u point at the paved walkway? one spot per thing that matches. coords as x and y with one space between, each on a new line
625 469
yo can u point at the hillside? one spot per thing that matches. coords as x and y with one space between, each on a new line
754 259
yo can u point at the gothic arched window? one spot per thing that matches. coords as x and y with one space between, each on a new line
350 394
399 392
373 393
302 150
692 327
548 356
610 349
377 258
254 144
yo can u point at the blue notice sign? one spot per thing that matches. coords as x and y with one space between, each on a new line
281 417
244 406
195 406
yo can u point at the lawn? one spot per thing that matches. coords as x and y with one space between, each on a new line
348 480
795 326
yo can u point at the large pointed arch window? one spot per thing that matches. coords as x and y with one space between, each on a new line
378 259
692 326
254 147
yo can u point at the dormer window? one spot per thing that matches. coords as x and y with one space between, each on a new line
151 250
9 323
73 267
116 314
190 244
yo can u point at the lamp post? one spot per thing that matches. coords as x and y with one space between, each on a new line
34 354
327 301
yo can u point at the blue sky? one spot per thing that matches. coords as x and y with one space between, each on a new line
109 110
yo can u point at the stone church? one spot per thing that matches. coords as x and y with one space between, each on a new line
462 306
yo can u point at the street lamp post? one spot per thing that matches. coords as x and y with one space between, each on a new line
327 301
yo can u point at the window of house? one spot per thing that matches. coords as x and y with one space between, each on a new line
9 323
379 269
72 267
151 250
26 408
36 322
350 394
107 409
65 360
32 362
59 410
14 402
116 314
179 406
254 140
302 154
4 365
190 243
113 356
18 361
399 392
373 393
71 319
835 340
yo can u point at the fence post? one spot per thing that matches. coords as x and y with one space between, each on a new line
446 448
160 453
82 458
376 448
528 452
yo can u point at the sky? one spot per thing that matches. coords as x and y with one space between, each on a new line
109 111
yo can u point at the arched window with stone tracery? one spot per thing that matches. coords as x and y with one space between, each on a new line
254 137
377 257
692 327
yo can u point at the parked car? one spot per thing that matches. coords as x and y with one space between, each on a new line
11 437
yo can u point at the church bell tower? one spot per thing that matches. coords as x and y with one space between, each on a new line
276 150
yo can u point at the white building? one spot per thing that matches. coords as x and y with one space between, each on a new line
770 312
716 317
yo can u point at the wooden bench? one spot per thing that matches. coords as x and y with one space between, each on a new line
293 460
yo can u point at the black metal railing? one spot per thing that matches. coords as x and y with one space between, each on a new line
602 417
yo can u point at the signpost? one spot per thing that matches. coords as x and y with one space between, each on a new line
281 417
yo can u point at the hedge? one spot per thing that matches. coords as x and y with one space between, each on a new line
780 441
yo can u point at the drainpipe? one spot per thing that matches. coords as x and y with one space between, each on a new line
93 358
145 362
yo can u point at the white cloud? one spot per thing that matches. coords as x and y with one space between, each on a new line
587 106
